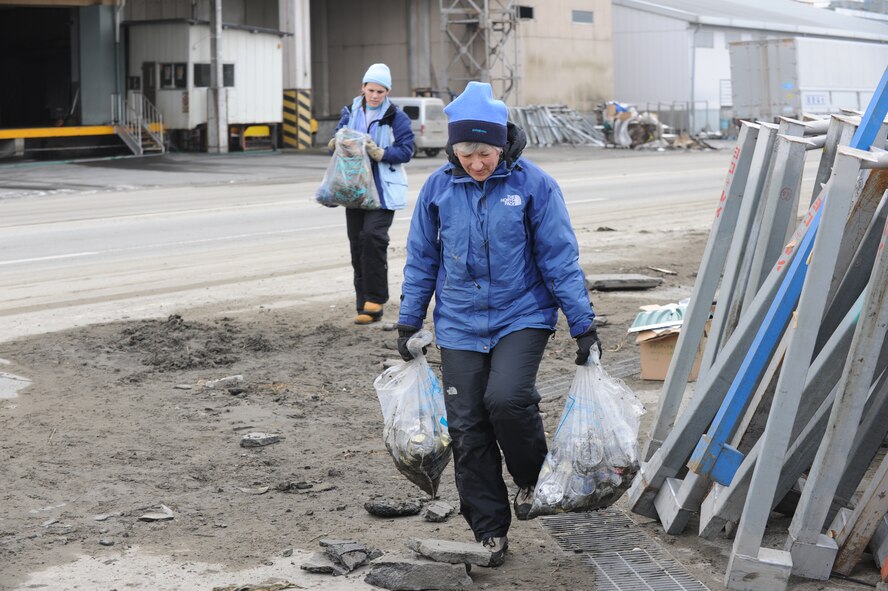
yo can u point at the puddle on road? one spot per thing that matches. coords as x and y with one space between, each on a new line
10 385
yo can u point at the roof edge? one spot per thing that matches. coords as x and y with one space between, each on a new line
799 30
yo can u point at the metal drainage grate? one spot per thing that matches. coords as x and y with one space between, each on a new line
624 557
556 385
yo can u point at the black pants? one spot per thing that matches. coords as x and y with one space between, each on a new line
492 399
368 238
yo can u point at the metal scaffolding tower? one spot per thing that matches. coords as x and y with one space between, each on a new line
480 37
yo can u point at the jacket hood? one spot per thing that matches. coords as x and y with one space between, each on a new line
516 141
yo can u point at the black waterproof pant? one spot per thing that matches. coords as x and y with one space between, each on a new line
492 404
368 237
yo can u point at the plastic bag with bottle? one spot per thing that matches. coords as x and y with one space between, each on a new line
349 177
594 452
415 422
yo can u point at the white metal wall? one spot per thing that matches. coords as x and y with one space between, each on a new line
257 94
163 43
651 58
844 73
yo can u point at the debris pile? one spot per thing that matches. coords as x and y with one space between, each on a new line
547 125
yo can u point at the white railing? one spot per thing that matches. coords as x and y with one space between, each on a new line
137 119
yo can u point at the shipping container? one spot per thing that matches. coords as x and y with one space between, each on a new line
774 78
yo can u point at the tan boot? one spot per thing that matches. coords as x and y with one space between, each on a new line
371 313
366 319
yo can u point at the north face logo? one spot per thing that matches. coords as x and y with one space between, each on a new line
511 200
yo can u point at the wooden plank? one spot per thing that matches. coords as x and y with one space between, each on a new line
864 520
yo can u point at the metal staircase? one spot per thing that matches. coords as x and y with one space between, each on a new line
138 123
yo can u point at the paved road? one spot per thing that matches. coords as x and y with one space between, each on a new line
107 240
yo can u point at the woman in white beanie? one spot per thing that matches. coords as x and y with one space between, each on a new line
390 146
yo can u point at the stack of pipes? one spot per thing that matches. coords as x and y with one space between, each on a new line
548 125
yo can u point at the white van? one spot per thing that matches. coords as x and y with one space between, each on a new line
428 121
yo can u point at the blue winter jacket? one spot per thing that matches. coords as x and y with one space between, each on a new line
393 133
499 256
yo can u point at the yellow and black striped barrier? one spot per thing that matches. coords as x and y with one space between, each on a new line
297 118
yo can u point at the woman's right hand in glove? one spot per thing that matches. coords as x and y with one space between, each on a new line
404 333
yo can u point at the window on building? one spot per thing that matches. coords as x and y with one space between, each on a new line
525 12
166 76
202 75
582 17
704 39
180 75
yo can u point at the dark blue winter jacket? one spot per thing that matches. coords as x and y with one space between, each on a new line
393 133
499 256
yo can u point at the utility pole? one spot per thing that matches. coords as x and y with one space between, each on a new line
217 97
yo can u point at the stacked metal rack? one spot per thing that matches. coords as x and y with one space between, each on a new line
794 378
548 125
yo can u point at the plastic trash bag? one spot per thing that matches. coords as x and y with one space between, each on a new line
349 178
415 424
594 453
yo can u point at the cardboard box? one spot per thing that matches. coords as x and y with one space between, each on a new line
655 348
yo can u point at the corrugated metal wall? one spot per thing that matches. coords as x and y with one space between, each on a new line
257 94
651 57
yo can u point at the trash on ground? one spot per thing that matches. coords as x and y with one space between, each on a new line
163 513
278 586
256 439
221 382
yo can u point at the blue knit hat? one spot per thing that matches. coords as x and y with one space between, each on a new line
380 74
475 116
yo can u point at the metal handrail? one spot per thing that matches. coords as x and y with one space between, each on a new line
135 118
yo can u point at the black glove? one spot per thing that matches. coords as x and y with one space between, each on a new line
584 345
404 333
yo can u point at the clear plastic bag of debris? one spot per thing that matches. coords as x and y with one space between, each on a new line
594 453
349 177
415 427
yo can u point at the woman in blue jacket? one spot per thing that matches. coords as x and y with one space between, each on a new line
390 146
491 239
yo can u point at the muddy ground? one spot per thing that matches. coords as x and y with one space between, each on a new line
119 421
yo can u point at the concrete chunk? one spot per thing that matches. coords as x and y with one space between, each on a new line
414 575
320 563
437 511
621 282
389 508
351 555
451 552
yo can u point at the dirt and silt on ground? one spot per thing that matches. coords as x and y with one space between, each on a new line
119 422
